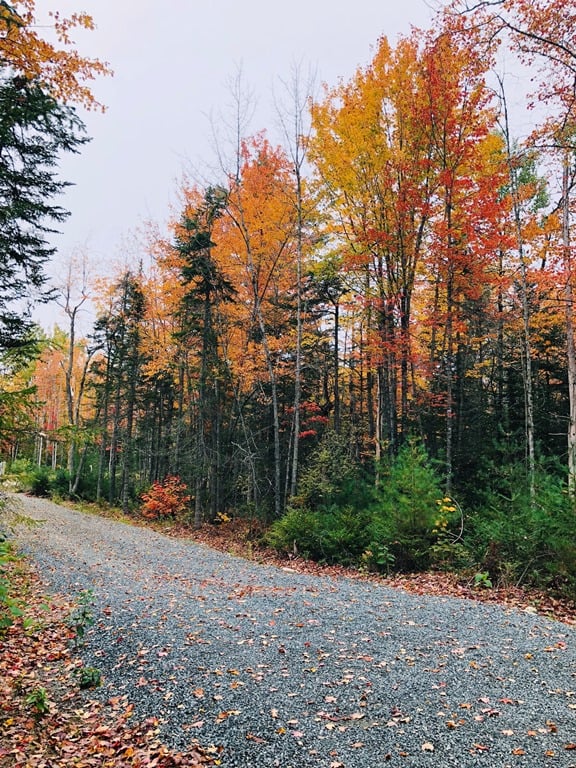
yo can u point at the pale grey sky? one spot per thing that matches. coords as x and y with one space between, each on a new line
173 63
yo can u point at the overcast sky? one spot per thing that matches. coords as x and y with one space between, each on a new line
173 63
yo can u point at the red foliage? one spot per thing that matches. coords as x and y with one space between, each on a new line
307 433
168 498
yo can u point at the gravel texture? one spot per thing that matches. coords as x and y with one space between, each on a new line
275 668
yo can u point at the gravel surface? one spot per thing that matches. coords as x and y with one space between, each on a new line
275 668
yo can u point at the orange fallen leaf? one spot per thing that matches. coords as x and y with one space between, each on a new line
256 739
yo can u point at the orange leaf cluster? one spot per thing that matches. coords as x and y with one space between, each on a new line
57 65
168 498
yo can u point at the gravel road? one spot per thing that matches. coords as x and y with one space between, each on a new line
276 668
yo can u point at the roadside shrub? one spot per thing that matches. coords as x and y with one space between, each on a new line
338 518
89 677
518 539
333 535
166 499
59 483
38 481
45 482
344 534
406 513
20 467
296 532
82 617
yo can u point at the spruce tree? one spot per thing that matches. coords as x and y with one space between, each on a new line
34 130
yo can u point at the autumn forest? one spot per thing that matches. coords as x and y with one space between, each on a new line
361 338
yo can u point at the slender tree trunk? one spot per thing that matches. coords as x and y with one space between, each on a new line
336 368
127 446
526 335
404 364
68 375
104 431
114 437
570 345
501 411
449 362
275 416
298 366
198 502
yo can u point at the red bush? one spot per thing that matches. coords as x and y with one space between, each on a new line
168 498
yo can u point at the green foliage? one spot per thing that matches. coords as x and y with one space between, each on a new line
38 481
483 580
518 539
378 558
448 552
341 520
331 477
332 535
410 490
89 677
59 484
43 481
407 508
21 467
37 701
297 532
9 608
34 131
49 483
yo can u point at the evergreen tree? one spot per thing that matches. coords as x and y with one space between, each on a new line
205 289
34 130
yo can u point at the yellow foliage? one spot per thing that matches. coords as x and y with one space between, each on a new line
59 67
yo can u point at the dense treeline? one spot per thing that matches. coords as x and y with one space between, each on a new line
364 338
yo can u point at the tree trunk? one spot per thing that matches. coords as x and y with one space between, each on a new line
570 346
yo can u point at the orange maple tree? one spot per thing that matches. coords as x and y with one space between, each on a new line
57 65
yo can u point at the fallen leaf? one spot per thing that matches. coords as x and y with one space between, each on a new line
256 739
